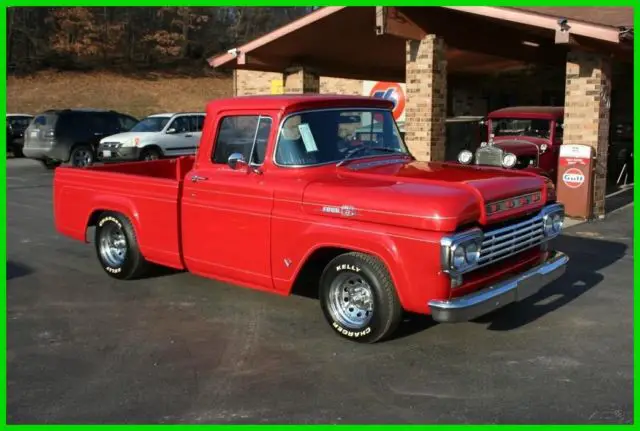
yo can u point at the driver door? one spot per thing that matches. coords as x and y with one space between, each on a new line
226 212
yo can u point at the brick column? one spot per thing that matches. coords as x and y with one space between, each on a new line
300 80
426 106
587 107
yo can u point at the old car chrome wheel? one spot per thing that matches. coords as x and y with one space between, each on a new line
113 245
351 301
82 157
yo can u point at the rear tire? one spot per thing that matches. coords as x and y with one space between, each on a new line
17 152
82 156
117 247
358 298
150 154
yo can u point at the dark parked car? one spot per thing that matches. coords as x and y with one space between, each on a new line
16 125
72 135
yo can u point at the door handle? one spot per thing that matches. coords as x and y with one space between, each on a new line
197 178
188 135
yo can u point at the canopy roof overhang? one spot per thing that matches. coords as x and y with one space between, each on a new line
369 42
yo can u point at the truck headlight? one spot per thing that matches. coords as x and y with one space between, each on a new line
509 160
552 220
472 253
461 252
558 222
465 157
458 257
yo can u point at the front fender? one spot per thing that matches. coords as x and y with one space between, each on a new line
412 257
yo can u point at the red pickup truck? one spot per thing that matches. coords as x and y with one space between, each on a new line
288 189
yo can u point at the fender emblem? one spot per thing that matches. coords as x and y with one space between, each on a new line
347 211
344 210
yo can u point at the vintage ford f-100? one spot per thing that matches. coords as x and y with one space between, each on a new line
291 190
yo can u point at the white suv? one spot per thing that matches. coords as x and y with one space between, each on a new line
156 136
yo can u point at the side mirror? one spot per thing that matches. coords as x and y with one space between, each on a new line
170 131
236 160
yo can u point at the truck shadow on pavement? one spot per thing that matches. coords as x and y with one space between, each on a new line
587 257
17 270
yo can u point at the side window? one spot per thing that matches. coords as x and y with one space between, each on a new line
559 129
199 123
98 123
180 124
237 134
195 123
262 138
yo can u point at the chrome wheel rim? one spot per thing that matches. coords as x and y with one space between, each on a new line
82 158
351 301
113 245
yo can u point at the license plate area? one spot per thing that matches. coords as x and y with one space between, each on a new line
106 153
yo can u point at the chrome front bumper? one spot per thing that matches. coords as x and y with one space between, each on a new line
479 303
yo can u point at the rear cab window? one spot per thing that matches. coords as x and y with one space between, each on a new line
244 134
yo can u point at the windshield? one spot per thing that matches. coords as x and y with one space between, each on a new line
328 136
521 127
151 124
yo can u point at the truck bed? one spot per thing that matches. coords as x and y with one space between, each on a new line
170 169
148 193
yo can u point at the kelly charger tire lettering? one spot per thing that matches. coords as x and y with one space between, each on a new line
134 265
387 311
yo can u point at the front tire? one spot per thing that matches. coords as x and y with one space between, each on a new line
117 247
358 298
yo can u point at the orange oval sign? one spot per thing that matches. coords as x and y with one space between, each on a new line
393 92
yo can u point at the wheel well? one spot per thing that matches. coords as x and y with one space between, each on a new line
306 282
93 218
80 144
152 147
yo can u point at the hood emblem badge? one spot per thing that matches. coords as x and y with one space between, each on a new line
513 203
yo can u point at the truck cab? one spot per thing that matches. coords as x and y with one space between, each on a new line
289 192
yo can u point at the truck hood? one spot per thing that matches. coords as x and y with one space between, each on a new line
520 145
421 195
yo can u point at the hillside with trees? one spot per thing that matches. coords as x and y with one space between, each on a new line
137 59
132 38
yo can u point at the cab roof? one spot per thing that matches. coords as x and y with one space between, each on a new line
289 102
543 112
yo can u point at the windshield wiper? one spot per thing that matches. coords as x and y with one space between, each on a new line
359 149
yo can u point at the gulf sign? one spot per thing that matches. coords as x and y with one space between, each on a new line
393 91
573 178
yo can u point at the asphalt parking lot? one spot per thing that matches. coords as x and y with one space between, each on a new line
83 348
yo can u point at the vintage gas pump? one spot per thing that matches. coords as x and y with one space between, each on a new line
575 180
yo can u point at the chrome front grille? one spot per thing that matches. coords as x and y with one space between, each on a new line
489 155
504 242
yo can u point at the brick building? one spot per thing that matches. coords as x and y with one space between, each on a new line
457 61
